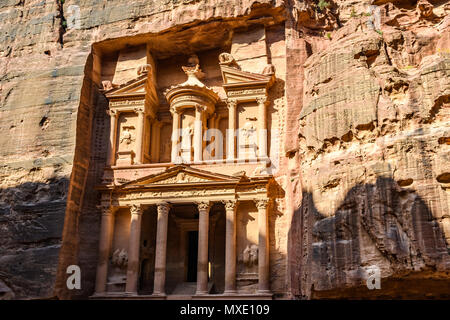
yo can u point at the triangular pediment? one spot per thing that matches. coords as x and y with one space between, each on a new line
131 88
232 75
182 175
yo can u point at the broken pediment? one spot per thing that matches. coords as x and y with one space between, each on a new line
231 75
131 88
182 175
241 84
142 88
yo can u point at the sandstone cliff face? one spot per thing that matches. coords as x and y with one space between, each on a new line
366 135
374 156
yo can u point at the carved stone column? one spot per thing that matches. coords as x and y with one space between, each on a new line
232 104
155 140
139 134
263 246
230 246
161 249
106 233
111 159
133 249
202 265
198 133
175 135
262 126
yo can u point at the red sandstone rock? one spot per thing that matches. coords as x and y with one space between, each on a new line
363 116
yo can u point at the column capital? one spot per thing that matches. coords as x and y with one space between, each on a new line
174 110
261 203
112 113
203 205
106 210
163 207
136 209
231 103
230 204
200 108
139 109
261 100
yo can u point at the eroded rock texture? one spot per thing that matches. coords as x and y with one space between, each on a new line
374 156
365 163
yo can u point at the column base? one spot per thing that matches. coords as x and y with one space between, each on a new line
99 294
264 292
201 293
230 292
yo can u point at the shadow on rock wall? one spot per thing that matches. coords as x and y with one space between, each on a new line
31 223
379 225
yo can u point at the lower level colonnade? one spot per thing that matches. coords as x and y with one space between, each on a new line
163 210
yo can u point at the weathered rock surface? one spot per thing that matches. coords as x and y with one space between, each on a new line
366 136
374 159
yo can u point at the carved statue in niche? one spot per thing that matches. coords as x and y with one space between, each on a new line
119 263
193 67
108 85
144 69
248 146
268 70
119 259
126 138
186 142
227 59
250 255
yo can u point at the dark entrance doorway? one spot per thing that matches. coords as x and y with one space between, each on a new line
192 256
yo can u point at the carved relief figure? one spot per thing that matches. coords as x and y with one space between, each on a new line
119 259
247 145
187 143
250 255
227 59
126 137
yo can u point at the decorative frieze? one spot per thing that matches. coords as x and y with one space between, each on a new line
126 103
245 92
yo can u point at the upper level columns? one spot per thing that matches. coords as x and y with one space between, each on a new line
202 265
111 159
262 126
139 134
231 149
175 135
198 133
133 249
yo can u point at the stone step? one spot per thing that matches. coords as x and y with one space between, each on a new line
188 288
